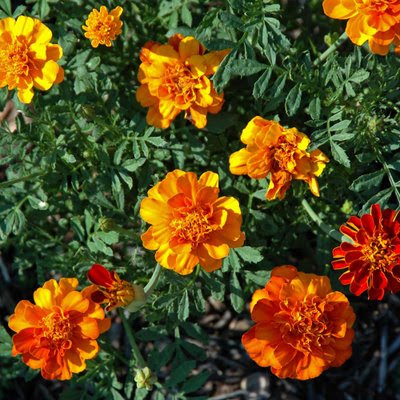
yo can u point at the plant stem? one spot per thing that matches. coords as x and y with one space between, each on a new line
141 363
22 179
334 234
330 49
151 285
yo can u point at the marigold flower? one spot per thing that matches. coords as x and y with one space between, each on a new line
302 326
282 153
109 288
377 21
58 333
190 223
27 58
102 27
174 78
372 259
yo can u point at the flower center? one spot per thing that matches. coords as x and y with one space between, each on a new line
121 294
379 252
14 59
283 155
193 226
57 327
305 325
103 29
180 82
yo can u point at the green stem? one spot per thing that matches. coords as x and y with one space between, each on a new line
151 285
334 234
141 363
22 179
331 49
390 176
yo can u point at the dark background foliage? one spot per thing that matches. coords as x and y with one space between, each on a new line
75 164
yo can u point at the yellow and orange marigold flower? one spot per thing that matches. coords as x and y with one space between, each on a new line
58 333
282 153
377 21
102 27
174 78
27 58
190 223
372 258
302 326
110 289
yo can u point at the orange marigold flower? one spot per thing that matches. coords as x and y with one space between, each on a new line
190 223
102 27
372 258
282 153
377 21
174 78
109 288
58 333
302 326
27 58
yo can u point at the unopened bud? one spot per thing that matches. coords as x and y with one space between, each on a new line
145 379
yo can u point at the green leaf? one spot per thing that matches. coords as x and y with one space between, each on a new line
249 254
246 67
293 100
236 295
339 154
314 109
368 181
379 198
132 165
340 126
359 76
6 6
44 9
108 237
261 84
180 373
5 343
234 261
186 15
196 382
183 307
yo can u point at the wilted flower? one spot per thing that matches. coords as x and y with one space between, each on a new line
377 21
282 153
102 27
372 258
57 333
174 78
115 292
145 379
302 327
27 58
190 223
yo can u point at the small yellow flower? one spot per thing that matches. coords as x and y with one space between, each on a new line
102 27
145 379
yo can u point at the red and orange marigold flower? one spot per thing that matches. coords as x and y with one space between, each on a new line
27 58
280 152
375 21
372 258
110 289
174 77
302 326
190 223
58 333
102 27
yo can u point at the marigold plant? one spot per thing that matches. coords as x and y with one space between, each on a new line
190 223
27 58
174 77
375 21
302 326
110 289
58 333
102 27
282 153
372 258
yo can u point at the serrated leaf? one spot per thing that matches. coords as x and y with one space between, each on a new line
180 373
261 84
249 254
132 165
236 295
183 307
339 154
196 382
359 76
314 109
245 67
293 100
368 181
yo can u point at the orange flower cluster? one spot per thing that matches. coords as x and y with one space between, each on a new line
372 258
302 326
375 21
58 333
27 58
282 153
190 223
102 27
110 289
174 78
